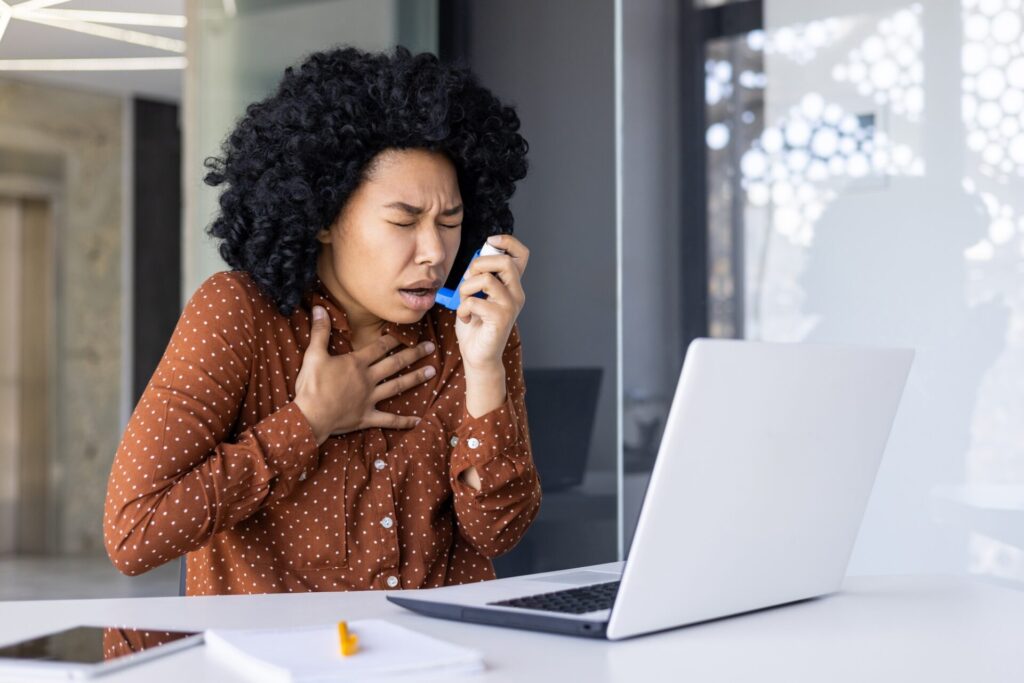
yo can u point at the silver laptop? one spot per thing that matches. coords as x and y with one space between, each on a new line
762 477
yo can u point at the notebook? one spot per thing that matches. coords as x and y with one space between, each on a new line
300 655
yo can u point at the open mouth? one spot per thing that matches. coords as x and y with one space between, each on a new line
419 299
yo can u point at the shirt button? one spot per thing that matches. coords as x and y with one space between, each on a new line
454 440
387 522
379 464
302 477
472 442
392 581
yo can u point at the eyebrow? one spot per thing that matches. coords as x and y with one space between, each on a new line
417 210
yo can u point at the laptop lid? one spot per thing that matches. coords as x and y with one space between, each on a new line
761 481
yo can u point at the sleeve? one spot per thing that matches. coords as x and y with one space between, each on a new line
493 519
121 642
177 479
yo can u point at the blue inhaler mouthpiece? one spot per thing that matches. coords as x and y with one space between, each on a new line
450 298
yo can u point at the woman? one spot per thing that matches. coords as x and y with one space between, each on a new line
316 423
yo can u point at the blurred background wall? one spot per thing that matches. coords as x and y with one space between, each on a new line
61 184
237 53
90 228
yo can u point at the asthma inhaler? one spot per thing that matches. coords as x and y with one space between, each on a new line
450 298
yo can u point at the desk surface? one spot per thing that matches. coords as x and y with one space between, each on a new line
877 629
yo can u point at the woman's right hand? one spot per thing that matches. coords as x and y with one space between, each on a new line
339 394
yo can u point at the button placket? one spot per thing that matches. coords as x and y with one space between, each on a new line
383 495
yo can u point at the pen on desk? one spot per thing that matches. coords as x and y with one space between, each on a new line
347 642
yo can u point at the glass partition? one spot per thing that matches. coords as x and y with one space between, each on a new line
862 171
884 197
866 190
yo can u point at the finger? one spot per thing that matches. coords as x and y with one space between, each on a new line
489 284
386 367
319 332
506 269
381 346
390 420
402 383
513 247
483 308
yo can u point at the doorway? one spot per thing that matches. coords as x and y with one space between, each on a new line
26 371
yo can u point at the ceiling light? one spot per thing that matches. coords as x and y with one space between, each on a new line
5 18
124 35
102 64
104 17
95 23
38 4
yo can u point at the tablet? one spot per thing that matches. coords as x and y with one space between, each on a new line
87 651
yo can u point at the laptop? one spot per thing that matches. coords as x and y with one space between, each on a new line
560 430
762 477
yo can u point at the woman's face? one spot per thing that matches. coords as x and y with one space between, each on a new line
399 231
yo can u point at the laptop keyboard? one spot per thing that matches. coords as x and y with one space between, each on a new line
580 600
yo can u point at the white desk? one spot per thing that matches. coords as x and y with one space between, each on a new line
926 629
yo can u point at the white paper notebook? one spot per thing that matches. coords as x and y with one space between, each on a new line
305 654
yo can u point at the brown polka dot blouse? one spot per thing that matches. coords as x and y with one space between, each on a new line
218 463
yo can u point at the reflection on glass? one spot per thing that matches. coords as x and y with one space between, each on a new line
118 642
793 167
734 83
882 204
886 66
800 42
992 107
993 86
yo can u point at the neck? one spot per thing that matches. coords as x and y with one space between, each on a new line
363 324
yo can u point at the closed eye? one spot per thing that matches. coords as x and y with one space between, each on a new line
409 225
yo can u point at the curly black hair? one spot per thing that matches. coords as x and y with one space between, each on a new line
294 158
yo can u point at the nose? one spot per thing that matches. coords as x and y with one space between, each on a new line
430 249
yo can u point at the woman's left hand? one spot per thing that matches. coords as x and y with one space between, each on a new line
483 325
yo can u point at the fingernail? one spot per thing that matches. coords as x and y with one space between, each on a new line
430 371
429 346
494 239
319 313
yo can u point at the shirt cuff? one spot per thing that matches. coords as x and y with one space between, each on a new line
479 440
288 442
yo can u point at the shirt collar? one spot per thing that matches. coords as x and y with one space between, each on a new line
407 333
